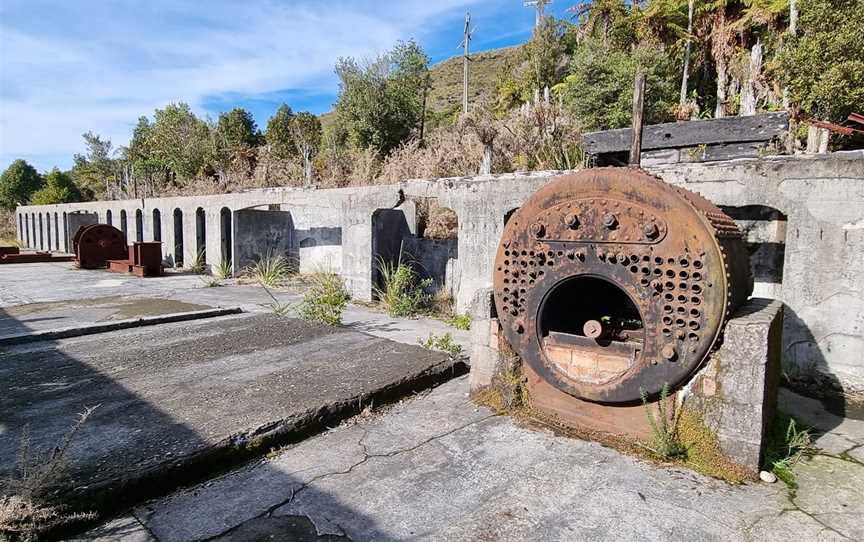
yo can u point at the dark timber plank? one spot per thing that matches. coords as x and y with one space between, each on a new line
690 133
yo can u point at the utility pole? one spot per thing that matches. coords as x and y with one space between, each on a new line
466 41
539 5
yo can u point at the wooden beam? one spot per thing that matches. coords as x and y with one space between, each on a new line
763 127
636 128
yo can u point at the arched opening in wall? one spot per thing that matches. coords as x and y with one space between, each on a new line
435 252
48 231
65 233
56 231
20 227
33 237
764 231
124 227
509 214
225 234
178 238
41 233
157 225
258 233
200 235
27 230
108 217
139 225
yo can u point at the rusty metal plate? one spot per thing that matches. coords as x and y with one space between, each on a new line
95 244
610 282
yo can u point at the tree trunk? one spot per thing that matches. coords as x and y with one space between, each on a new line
682 102
307 167
486 164
722 82
749 93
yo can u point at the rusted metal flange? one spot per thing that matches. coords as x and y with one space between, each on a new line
610 283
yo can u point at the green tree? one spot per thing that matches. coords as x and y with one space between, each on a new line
306 135
59 188
180 141
93 171
599 90
381 102
278 134
823 65
17 184
235 137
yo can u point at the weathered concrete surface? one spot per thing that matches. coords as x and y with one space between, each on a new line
439 468
179 397
736 390
61 283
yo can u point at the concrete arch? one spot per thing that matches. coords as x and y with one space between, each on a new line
27 230
108 217
41 233
56 231
124 226
20 228
65 234
200 234
226 234
139 225
157 225
178 238
48 231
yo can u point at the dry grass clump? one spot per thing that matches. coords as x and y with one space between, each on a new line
27 510
442 224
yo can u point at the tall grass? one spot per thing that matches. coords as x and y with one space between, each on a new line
224 270
402 291
271 270
664 426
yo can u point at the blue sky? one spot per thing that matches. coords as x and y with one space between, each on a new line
67 67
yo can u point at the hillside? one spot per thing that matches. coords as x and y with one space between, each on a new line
446 92
484 69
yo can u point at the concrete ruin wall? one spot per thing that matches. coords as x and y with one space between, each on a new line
803 216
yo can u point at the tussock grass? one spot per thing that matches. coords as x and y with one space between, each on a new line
788 443
224 270
271 270
442 343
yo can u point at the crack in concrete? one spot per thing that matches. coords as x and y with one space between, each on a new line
366 457
143 525
825 527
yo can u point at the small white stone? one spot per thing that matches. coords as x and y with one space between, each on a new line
767 477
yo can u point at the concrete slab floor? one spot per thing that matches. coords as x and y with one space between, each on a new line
437 467
63 291
178 397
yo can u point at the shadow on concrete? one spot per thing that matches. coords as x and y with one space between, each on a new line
131 449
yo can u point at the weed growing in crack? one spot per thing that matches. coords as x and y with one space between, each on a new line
460 321
26 507
788 443
664 426
278 308
444 343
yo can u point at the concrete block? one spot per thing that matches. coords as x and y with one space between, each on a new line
736 391
484 341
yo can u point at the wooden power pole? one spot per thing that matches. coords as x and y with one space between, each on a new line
466 41
539 6
638 104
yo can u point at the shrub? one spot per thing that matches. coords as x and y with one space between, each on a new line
444 343
325 300
402 292
271 270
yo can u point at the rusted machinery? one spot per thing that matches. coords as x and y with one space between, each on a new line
610 283
95 244
144 260
14 255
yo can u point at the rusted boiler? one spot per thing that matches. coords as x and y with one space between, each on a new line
610 283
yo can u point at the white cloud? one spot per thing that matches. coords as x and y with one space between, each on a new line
69 67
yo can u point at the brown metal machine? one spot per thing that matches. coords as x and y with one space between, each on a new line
144 260
95 244
610 283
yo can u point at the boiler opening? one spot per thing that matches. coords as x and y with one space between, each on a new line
590 329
